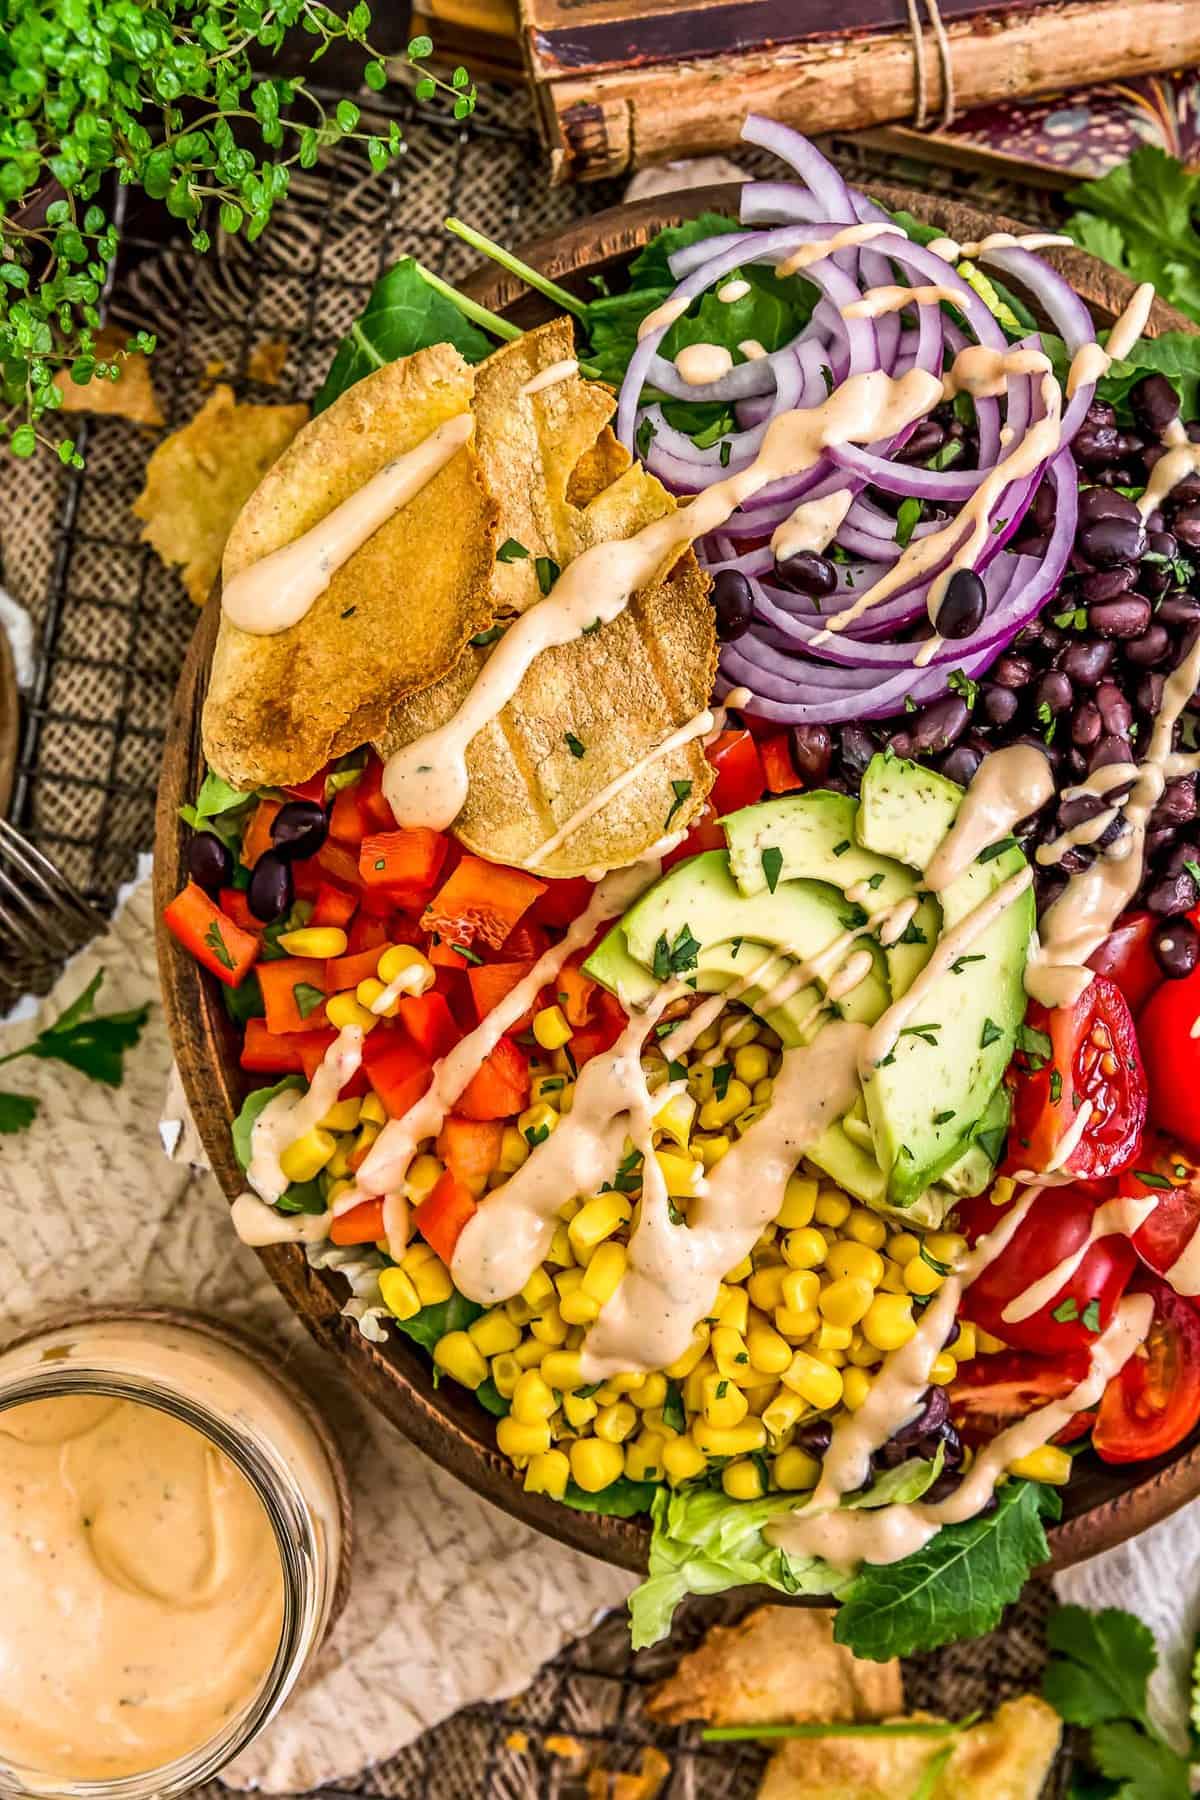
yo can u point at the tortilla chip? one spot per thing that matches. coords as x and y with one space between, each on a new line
617 692
778 1666
131 396
394 617
1006 1758
200 477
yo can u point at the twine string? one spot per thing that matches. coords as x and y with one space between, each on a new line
920 77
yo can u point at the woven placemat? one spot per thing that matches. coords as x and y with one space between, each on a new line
111 625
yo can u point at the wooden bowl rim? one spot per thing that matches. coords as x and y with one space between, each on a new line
397 1377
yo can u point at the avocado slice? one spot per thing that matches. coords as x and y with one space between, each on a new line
926 1099
977 1164
699 899
815 834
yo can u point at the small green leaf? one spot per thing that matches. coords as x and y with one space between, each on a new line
772 864
511 551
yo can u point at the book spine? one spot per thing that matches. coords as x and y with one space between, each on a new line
609 124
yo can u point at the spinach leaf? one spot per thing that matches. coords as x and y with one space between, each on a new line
433 1322
220 809
301 1196
624 1499
403 314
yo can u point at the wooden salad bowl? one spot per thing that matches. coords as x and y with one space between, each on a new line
1103 1505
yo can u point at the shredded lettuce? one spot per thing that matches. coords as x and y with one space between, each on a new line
220 809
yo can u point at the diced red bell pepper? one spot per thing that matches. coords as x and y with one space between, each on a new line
490 982
739 771
333 906
447 953
339 865
563 901
257 836
602 1033
368 933
396 1069
211 935
293 990
375 812
440 1217
481 900
705 834
500 1087
398 897
780 771
345 819
266 1052
342 972
576 993
235 906
403 859
313 1046
526 942
429 1023
363 1224
312 789
470 1149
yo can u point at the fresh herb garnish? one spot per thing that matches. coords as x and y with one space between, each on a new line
1091 1315
841 849
574 745
536 1134
681 790
1149 1179
468 955
997 849
1036 1046
927 1033
721 1077
674 959
854 918
990 1033
1100 1664
942 1118
960 683
217 945
908 517
93 1043
511 551
960 963
912 934
1056 1087
1066 1312
482 639
548 572
772 863
307 998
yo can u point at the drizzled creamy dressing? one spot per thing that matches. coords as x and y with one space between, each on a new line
663 315
550 377
813 525
819 248
1182 458
752 350
983 371
1121 1217
277 591
257 1224
1092 362
699 364
951 251
1184 1273
733 290
879 300
290 1114
1008 786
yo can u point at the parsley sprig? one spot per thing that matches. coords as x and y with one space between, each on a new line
94 1043
1100 1663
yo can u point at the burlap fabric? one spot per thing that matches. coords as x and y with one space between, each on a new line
111 625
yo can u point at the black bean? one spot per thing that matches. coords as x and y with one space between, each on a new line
1071 813
733 604
1177 805
926 438
1149 693
814 1437
1096 503
942 1486
1150 648
1053 690
1035 545
1088 660
269 895
1044 507
1109 750
807 572
1163 543
1176 944
953 1335
1130 444
1187 491
1107 584
812 748
299 829
1157 841
1193 431
857 748
940 724
1179 608
1101 412
1108 542
1096 446
1151 454
1124 618
210 862
1172 894
1085 725
1012 671
1154 402
961 763
965 601
1153 579
1186 526
997 704
1116 714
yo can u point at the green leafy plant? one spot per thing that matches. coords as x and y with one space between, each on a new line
163 98
1099 1665
1143 217
94 1043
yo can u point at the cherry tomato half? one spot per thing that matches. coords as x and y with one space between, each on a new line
1174 1222
1054 1227
739 771
1168 1023
990 1392
1151 1404
1125 957
1094 1057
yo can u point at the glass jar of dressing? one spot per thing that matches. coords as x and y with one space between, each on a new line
174 1525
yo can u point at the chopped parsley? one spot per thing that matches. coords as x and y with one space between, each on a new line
725 452
574 744
942 1118
548 572
931 1261
536 1134
960 962
912 934
643 438
681 791
876 880
907 519
851 921
997 849
841 849
218 946
307 998
676 1071
674 959
1193 869
511 551
1055 1087
990 1034
1065 1313
927 1033
1075 620
1036 1046
673 1212
722 1389
948 454
1150 1180
1091 1315
735 947
721 1077
593 628
468 955
482 639
959 682
772 863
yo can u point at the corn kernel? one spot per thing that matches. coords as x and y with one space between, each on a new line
693 1385
751 1064
796 1326
986 1344
559 1251
424 1173
538 1290
550 1028
781 1414
305 1158
795 1470
904 1246
805 1248
614 1423
595 1463
799 1201
832 1337
729 1352
518 1310
946 1247
832 1207
458 1357
700 1083
513 1151
740 1272
417 1254
596 1220
711 1149
682 1460
370 993
893 1279
732 1307
493 1333
888 1322
866 1227
846 1301
343 1009
342 1116
644 1457
548 1474
532 1399
651 1394
800 1289
432 1281
964 1345
920 1279
944 1369
681 1174
743 1480
403 959
530 1352
862 1354
536 1123
578 1308
716 1114
697 1349
1047 1463
579 1410
763 1091
366 1136
770 1352
399 1295
516 1439
562 1369
675 1119
856 1385
850 1258
723 1401
337 1169
627 1383
813 1380
549 1327
765 1287
729 1440
506 1371
314 940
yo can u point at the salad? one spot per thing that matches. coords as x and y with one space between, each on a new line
701 846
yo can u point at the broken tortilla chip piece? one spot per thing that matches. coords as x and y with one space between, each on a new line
200 477
779 1665
1004 1758
394 616
130 396
585 714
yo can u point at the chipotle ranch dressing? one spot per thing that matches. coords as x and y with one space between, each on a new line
143 1591
699 364
278 590
812 526
1007 787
